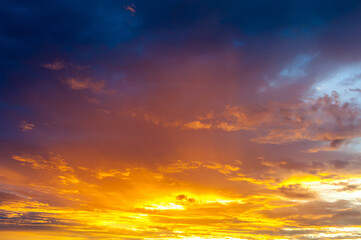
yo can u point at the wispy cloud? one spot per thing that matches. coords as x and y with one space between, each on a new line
130 8
39 162
85 83
26 126
56 65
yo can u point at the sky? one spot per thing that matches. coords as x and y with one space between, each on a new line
178 119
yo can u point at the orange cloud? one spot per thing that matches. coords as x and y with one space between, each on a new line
197 125
25 126
38 162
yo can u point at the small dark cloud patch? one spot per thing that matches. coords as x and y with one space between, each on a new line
296 191
335 144
350 188
355 90
346 187
183 197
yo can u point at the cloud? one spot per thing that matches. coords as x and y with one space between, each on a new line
223 168
27 214
35 163
55 66
319 213
198 92
130 8
296 68
236 118
297 191
233 118
292 72
197 125
39 162
321 119
350 187
274 164
358 90
180 166
58 65
85 83
9 197
345 79
159 120
112 173
183 197
332 146
26 126
325 119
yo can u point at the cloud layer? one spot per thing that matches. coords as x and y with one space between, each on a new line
180 120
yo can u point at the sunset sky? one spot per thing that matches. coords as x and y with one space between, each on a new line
179 119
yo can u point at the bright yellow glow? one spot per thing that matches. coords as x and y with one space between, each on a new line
155 205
